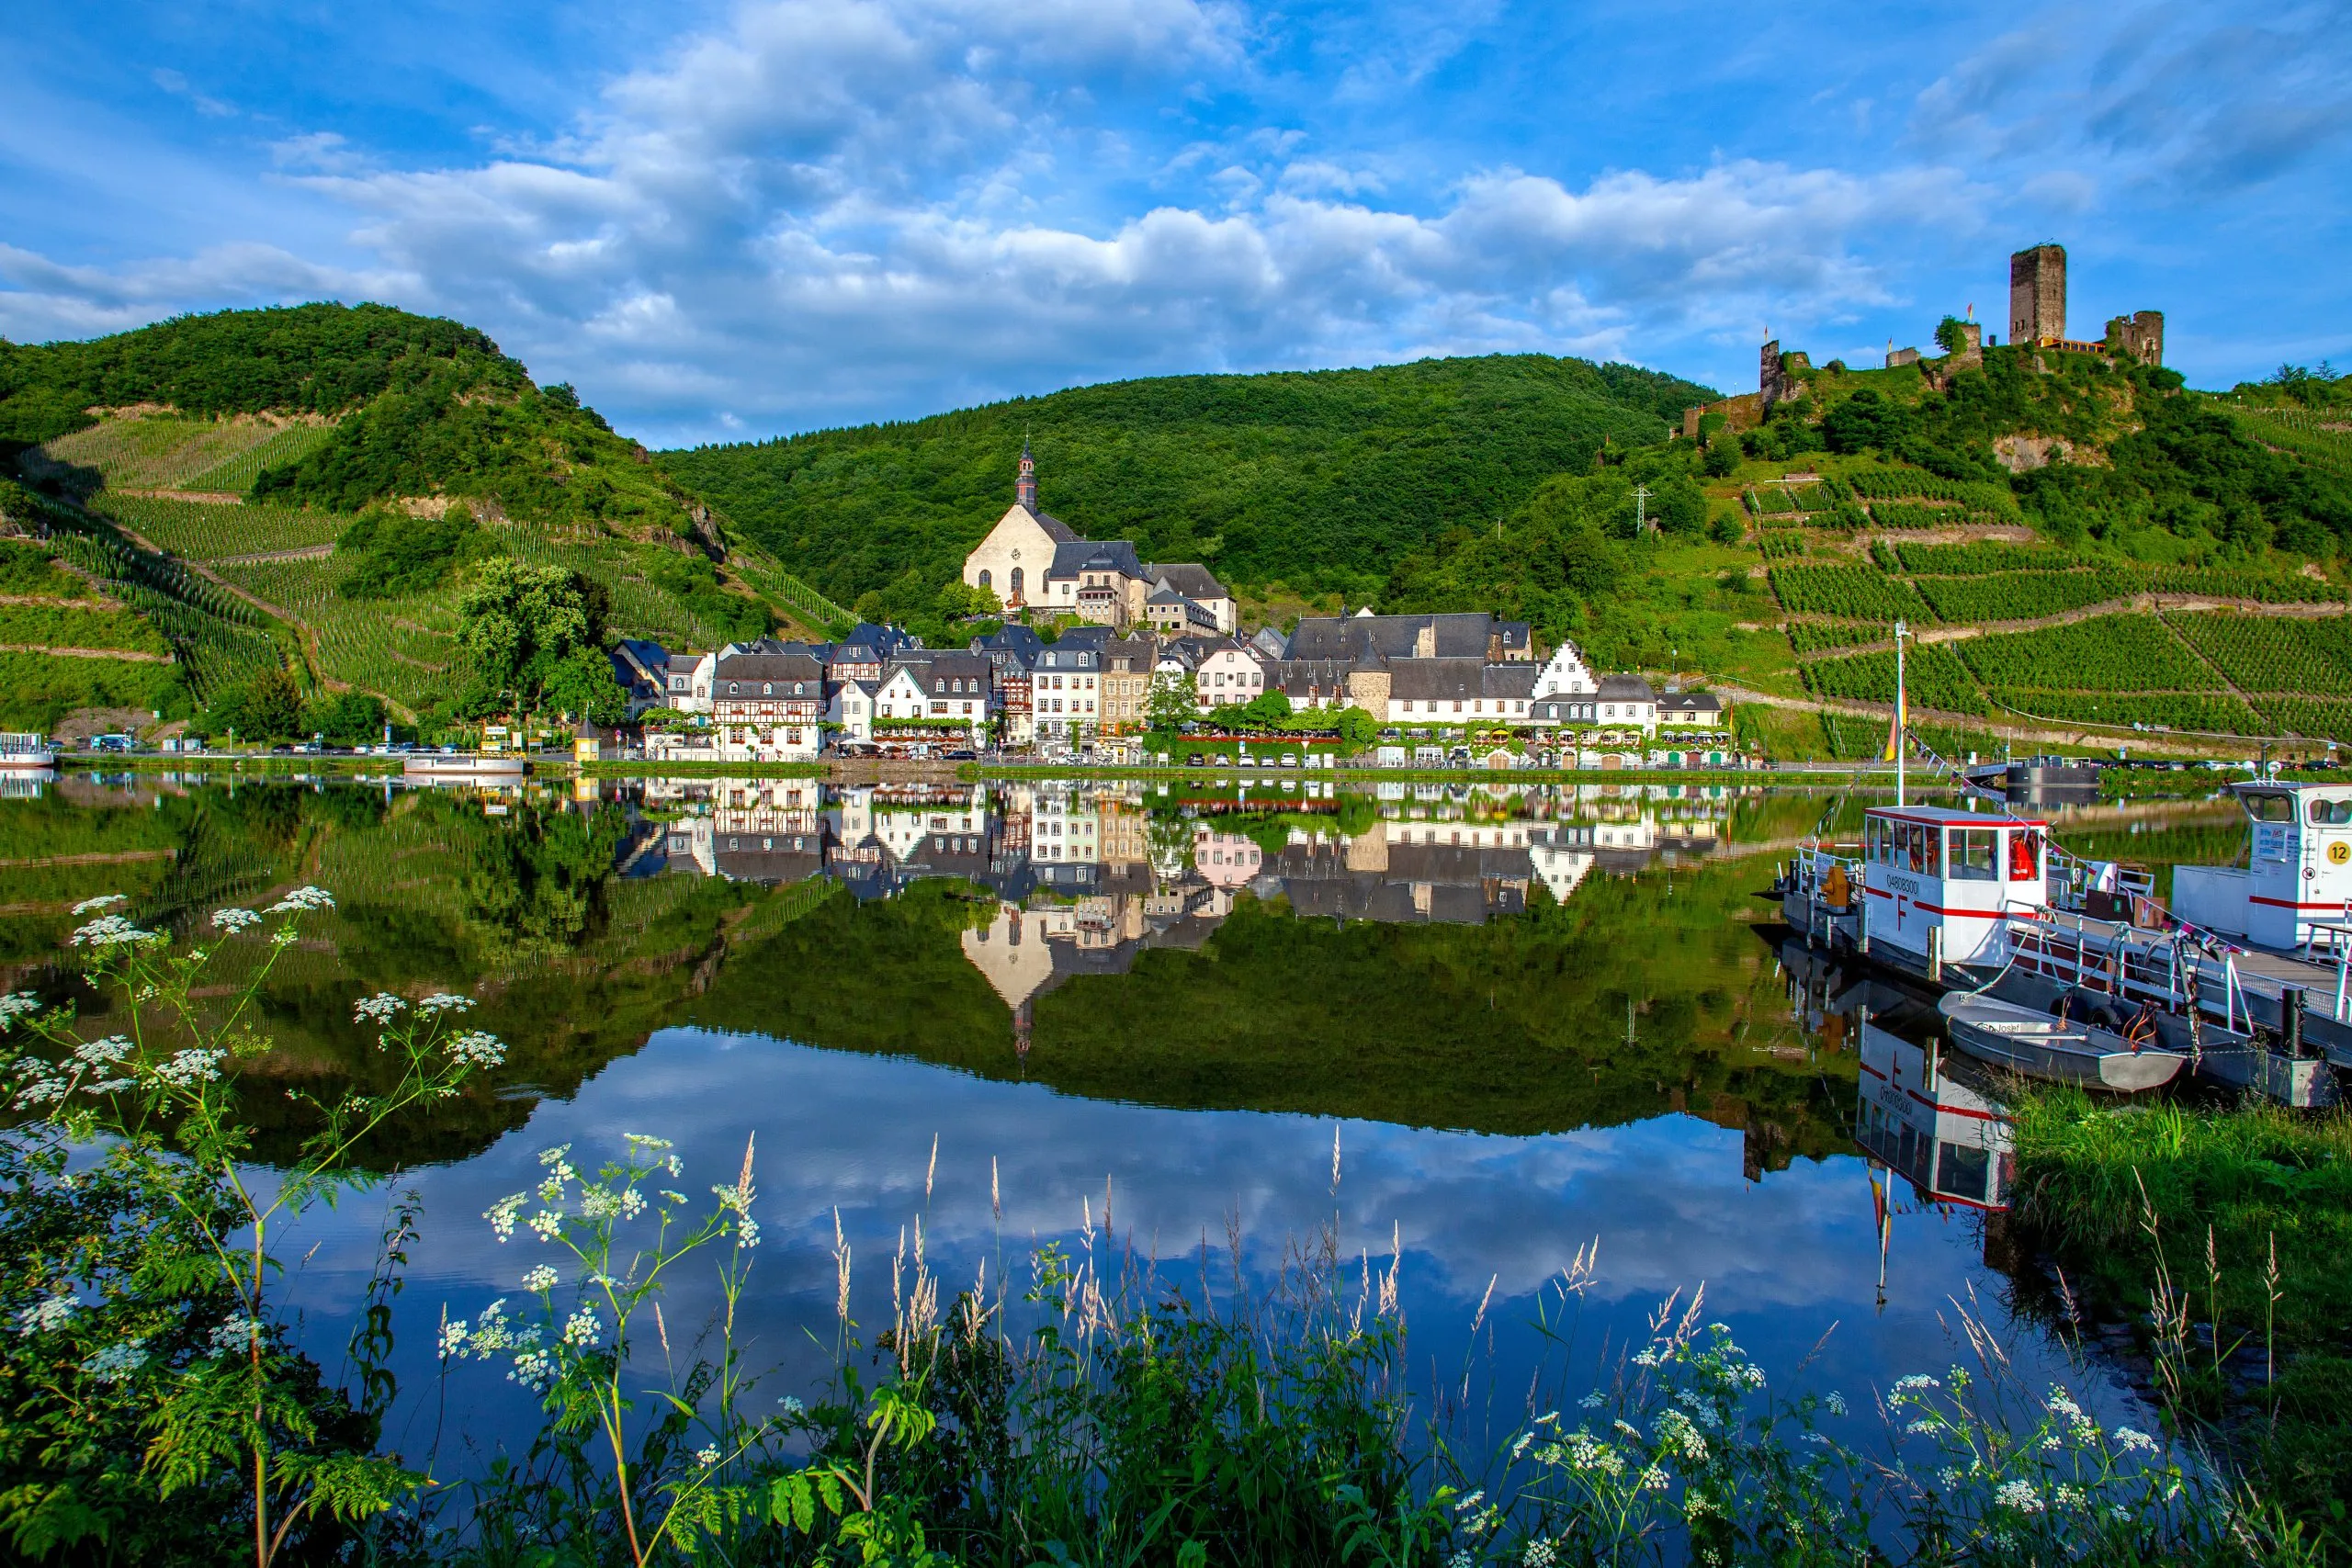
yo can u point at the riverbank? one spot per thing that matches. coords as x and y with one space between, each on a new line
2210 1249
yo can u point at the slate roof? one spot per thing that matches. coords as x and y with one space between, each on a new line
1625 688
1691 703
1458 679
1074 556
1056 529
770 667
1191 578
1362 638
944 668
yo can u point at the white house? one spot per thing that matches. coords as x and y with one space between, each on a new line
1627 700
766 706
687 682
937 686
1229 673
1689 710
1565 674
1459 693
850 710
1066 691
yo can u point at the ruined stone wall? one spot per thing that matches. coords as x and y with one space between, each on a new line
2140 335
2038 295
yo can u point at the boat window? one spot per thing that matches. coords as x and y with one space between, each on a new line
2025 856
1973 854
1874 840
1963 1170
2330 813
2269 807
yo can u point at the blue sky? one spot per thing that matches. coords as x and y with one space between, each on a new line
723 222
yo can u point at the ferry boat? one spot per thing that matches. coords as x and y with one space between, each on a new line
463 767
22 750
1954 1145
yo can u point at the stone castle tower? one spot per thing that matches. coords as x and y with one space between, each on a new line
2038 295
2140 335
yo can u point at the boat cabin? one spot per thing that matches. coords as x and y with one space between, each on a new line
2298 869
1954 1145
1941 883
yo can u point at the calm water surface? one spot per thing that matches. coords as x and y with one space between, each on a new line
1533 1019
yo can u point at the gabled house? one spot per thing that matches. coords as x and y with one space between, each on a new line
1065 691
956 687
1628 700
1211 606
1229 673
686 682
1127 682
850 710
641 669
1689 710
1449 693
767 706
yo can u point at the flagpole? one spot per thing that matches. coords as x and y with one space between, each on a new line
1899 714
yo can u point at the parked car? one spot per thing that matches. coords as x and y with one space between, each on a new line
962 754
1193 760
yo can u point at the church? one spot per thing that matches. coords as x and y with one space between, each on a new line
1037 563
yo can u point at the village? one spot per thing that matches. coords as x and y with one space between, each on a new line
1130 649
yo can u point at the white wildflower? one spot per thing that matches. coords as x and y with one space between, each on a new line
747 1233
236 1334
234 919
2133 1437
17 1005
1653 1480
708 1455
476 1049
116 1363
1917 1380
303 899
541 1278
52 1310
501 1213
1920 1428
193 1066
103 1052
2019 1495
1470 1501
535 1370
453 1337
1593 1401
2072 1497
110 931
597 1203
670 1197
1539 1553
39 1091
792 1405
547 1223
632 1204
644 1141
550 1156
582 1330
443 1001
100 902
378 1009
1835 1402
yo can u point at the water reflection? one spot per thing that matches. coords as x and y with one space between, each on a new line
1532 1015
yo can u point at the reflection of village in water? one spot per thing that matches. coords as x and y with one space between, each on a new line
1087 875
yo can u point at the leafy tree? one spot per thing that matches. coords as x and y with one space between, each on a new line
1951 335
1682 510
1723 458
1173 702
519 625
1358 729
266 708
1268 710
351 718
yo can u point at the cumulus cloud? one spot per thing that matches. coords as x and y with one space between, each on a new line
829 211
45 299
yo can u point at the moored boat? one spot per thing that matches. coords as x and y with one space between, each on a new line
2060 1050
19 750
463 767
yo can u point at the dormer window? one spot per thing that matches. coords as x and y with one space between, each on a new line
767 688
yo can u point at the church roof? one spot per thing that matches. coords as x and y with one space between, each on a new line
1074 555
1056 529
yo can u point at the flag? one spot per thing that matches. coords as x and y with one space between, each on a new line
1895 729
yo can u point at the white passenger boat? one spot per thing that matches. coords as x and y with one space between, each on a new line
463 767
1954 1144
2059 1050
21 751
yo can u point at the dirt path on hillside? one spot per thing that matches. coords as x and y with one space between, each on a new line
132 655
305 552
2147 603
2039 735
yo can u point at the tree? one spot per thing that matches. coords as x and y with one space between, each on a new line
1682 510
1723 458
581 686
1175 701
267 707
518 624
1951 335
1358 729
1267 710
351 718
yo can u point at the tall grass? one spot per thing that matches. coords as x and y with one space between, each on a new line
2220 1242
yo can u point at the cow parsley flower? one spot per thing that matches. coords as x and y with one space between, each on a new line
116 1363
2131 1437
17 1005
233 920
110 931
534 1369
632 1204
582 1330
51 1312
541 1278
1835 1402
193 1066
444 1002
2018 1495
547 1223
502 1214
644 1141
1539 1553
100 902
476 1049
236 1334
792 1405
378 1009
708 1455
103 1052
303 900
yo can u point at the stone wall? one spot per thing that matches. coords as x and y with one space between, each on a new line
2140 335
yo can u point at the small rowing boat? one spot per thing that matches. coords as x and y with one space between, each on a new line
2039 1046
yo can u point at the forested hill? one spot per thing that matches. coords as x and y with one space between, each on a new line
1319 479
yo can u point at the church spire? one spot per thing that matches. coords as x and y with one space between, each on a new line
1025 489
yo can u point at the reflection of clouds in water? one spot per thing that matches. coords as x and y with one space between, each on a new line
1783 1259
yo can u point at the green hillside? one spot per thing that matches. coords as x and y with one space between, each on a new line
311 485
1318 481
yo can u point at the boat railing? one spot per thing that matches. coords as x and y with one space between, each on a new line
2128 963
2339 942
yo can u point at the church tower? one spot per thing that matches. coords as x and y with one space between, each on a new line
1025 489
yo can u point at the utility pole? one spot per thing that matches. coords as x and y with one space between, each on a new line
1641 496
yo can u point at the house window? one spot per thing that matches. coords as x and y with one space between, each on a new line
730 688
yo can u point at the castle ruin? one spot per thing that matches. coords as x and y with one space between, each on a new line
2038 296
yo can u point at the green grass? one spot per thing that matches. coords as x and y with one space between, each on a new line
2093 1178
42 625
37 689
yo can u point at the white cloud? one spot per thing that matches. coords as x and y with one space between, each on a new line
834 209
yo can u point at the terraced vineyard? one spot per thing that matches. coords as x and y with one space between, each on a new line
2307 717
1849 593
2213 714
637 603
2292 658
170 453
1812 637
74 626
2021 595
1933 675
2106 653
196 530
403 648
